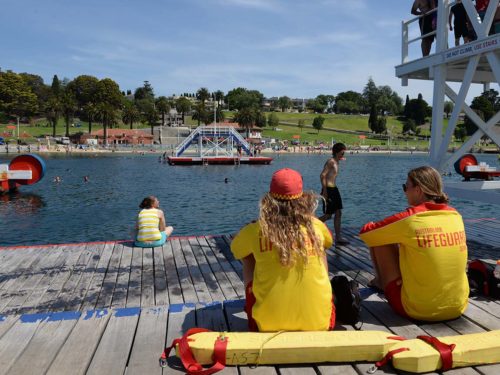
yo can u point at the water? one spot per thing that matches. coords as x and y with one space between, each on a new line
195 199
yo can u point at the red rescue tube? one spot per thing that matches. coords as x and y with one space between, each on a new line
31 162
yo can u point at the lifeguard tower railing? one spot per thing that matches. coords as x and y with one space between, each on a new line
214 141
476 62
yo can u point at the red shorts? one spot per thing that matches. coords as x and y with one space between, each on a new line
249 302
393 294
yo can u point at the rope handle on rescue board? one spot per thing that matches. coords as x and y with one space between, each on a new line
192 367
445 352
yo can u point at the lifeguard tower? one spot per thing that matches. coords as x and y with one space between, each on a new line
477 62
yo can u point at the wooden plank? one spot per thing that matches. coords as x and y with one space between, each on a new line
113 350
181 317
13 279
109 282
67 290
149 341
94 289
237 322
42 284
208 274
211 316
58 279
80 291
135 282
148 278
15 340
122 278
6 322
173 282
11 265
233 270
76 353
185 281
203 295
45 344
225 285
29 281
160 278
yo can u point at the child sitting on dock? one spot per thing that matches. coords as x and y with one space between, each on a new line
419 255
151 226
285 270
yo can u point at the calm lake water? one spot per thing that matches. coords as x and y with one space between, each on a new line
195 199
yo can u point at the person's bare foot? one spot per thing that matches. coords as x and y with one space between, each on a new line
374 284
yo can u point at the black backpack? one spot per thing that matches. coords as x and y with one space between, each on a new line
347 300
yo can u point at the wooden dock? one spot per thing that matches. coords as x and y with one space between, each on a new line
109 308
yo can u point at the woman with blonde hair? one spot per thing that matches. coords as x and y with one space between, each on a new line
419 255
285 271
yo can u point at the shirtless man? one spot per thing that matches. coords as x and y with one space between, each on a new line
421 7
330 191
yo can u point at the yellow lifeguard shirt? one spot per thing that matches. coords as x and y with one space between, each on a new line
432 258
295 298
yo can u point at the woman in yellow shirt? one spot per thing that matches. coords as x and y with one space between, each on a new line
151 226
285 271
419 255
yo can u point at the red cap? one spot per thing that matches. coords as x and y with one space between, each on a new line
286 184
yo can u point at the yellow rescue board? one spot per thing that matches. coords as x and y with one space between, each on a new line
245 348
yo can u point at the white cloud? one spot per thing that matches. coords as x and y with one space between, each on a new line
257 4
304 41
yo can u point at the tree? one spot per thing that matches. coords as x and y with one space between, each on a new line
448 108
460 132
260 119
183 106
316 105
347 106
37 87
301 124
144 92
203 95
163 107
352 97
409 125
55 88
273 120
407 107
219 96
284 103
68 106
318 123
16 98
89 113
84 89
381 125
371 93
130 113
240 98
201 114
106 113
418 110
372 120
246 118
53 112
109 99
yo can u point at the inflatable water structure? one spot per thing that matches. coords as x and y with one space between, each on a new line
469 167
25 169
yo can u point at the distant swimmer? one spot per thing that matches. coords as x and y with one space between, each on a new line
57 179
226 180
85 178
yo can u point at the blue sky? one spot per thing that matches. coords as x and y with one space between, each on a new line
299 48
